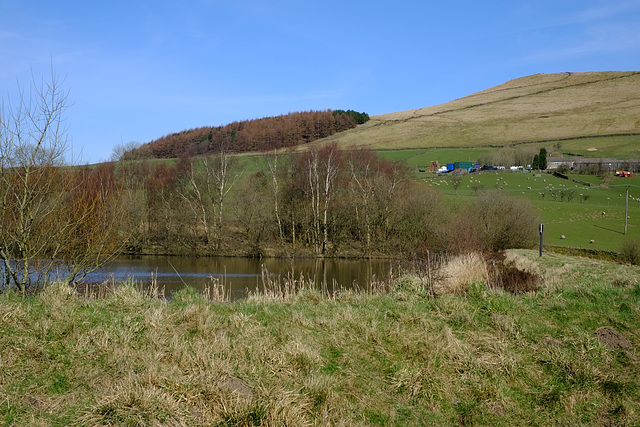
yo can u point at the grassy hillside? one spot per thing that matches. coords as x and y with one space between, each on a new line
594 114
581 213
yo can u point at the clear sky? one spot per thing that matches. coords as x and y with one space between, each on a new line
137 70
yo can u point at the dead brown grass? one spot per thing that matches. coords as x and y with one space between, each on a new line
459 272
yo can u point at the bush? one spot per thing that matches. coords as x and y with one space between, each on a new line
496 222
630 252
416 221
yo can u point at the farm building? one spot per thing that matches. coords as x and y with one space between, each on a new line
581 163
460 165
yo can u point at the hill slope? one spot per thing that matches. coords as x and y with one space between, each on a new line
593 110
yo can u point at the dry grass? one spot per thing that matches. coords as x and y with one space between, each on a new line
544 107
459 272
283 288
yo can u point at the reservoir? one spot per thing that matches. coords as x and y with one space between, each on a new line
241 275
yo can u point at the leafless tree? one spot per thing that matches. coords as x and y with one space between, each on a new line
126 151
272 162
196 190
222 174
322 170
38 195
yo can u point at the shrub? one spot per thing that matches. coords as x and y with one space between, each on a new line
630 251
496 222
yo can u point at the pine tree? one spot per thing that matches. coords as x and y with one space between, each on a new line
536 162
542 159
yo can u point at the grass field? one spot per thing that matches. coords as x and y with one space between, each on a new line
423 158
400 357
625 146
595 212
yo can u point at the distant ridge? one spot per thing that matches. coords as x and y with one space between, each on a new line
535 109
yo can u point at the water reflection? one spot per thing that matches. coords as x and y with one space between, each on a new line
240 274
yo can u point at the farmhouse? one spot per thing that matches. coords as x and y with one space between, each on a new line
581 163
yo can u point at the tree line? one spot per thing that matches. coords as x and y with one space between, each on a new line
322 202
250 135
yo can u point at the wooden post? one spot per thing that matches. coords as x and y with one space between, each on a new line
540 229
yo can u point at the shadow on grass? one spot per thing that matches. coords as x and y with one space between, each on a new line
608 229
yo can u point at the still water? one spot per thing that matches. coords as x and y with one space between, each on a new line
240 275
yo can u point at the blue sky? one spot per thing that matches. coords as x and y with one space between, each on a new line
137 70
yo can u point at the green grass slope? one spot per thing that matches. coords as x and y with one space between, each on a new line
595 114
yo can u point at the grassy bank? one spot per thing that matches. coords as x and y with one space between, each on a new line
400 357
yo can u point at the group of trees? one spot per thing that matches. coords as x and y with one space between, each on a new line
324 202
540 160
250 135
358 118
521 155
55 221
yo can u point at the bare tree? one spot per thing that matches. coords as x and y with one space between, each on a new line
125 151
272 162
196 189
93 208
37 218
322 170
222 174
32 143
372 183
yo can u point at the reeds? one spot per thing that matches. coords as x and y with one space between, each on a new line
283 288
217 289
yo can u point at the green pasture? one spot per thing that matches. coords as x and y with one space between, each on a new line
422 158
616 146
594 212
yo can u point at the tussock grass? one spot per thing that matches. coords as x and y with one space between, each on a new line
459 272
400 357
